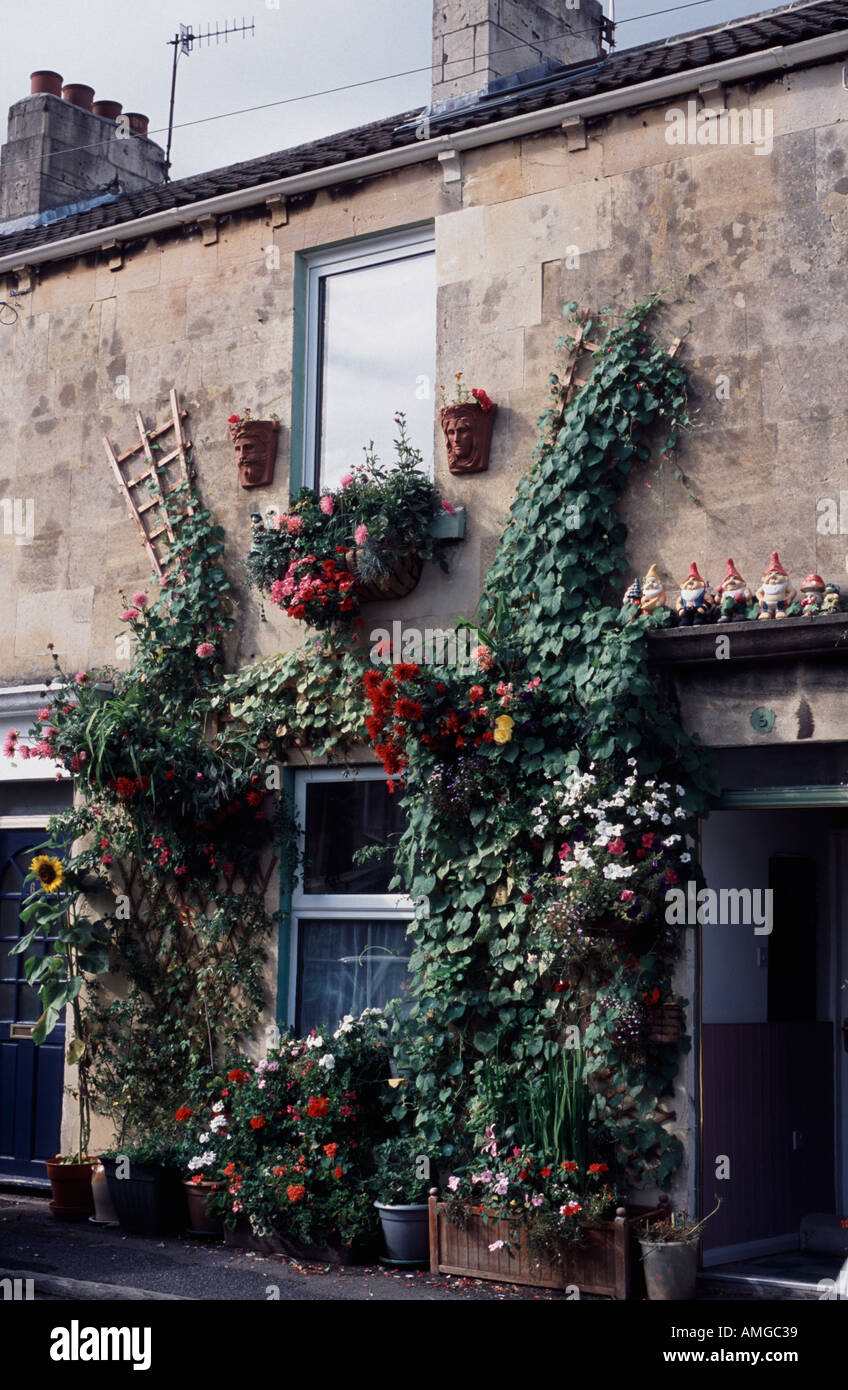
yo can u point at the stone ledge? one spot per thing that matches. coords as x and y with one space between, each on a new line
783 639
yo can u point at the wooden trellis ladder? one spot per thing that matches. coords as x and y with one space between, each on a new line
163 473
571 383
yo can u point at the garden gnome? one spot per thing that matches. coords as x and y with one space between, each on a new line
831 602
733 595
812 595
695 601
775 592
653 593
633 599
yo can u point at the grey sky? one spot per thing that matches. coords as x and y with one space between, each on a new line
119 47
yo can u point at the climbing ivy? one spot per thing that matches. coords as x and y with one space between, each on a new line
550 629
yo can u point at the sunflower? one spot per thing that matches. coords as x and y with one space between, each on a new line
48 871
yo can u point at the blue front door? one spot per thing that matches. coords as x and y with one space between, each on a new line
30 1076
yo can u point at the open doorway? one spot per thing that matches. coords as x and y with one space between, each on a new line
774 1112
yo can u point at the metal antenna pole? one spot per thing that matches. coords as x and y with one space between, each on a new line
182 43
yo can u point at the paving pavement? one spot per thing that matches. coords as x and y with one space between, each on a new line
79 1260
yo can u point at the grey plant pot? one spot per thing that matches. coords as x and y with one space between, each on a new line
406 1231
671 1269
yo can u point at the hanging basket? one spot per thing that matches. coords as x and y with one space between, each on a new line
666 1025
400 577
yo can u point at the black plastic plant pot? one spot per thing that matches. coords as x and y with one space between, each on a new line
149 1200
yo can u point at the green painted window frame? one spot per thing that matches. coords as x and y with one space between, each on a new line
765 798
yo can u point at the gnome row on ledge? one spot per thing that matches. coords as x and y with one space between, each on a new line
733 601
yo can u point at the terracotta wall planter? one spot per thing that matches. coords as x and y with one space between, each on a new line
468 436
200 1222
606 1261
398 581
256 448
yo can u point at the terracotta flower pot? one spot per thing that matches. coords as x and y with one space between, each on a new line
256 450
200 1222
468 436
398 580
71 1184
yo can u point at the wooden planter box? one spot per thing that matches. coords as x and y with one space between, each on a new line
606 1262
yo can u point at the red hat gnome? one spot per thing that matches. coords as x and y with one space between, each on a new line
775 592
812 595
734 596
695 601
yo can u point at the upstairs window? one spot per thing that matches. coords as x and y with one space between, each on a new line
370 352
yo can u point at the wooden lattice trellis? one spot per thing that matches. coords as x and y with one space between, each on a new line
166 469
571 383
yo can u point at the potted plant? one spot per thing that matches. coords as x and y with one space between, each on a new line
670 1256
402 1183
74 943
145 1186
255 444
467 423
366 539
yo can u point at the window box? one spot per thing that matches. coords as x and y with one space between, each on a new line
606 1262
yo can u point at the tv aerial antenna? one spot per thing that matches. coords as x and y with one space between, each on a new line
183 43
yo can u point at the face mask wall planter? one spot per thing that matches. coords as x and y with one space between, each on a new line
256 449
468 435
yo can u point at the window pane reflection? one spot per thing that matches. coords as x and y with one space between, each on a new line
342 817
379 341
345 967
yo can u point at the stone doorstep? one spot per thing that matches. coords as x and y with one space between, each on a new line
746 1286
825 636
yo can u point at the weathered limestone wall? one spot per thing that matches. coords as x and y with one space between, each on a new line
762 236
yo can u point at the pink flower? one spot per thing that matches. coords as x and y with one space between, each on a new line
205 650
360 535
140 600
496 1245
327 504
626 895
346 480
44 714
449 508
453 1183
81 677
24 752
617 846
129 615
564 851
294 524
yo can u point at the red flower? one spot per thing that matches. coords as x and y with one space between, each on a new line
570 1167
229 1171
527 897
125 787
616 846
337 1172
296 1192
254 798
237 1076
183 1114
481 398
598 1168
257 1122
640 853
545 1172
317 1105
331 1150
233 419
561 987
648 840
408 709
670 876
278 1172
441 688
406 671
476 692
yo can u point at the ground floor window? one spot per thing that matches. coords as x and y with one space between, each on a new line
349 949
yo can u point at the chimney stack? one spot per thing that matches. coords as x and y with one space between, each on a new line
65 148
477 41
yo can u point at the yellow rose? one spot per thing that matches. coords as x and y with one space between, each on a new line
503 735
504 721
